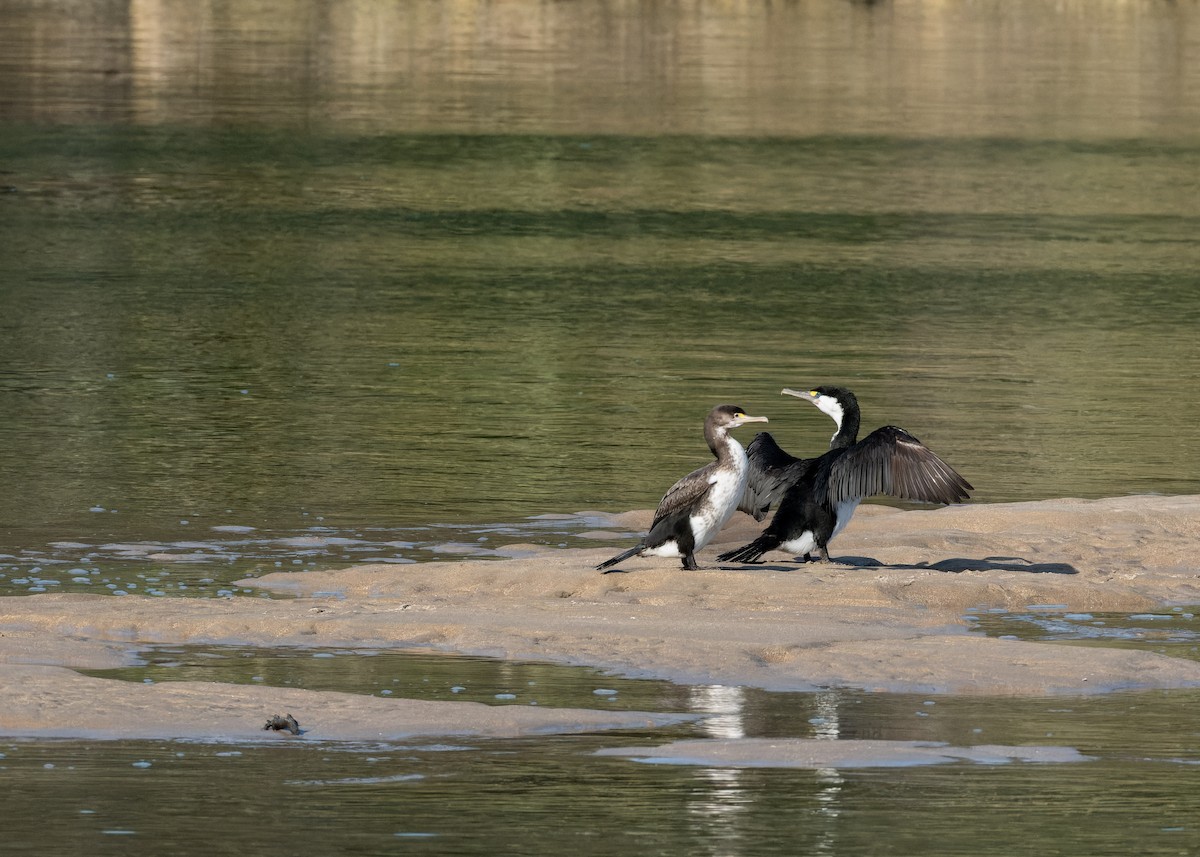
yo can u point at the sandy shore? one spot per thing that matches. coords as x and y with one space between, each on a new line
890 620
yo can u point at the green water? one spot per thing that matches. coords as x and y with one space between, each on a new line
503 266
284 288
544 796
214 326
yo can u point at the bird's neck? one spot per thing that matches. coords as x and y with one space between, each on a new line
847 432
723 446
716 438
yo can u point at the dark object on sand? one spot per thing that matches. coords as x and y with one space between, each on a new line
283 724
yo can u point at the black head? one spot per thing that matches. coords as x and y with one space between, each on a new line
829 399
839 404
840 394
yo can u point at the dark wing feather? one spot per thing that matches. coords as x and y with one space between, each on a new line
891 461
675 506
681 497
772 471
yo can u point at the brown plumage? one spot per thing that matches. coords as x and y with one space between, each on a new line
696 507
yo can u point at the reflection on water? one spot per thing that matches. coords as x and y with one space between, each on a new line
287 288
455 263
344 799
826 723
539 798
1030 69
724 707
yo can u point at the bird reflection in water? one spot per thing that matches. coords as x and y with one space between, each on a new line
723 803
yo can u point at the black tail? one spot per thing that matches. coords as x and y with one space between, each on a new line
621 557
752 551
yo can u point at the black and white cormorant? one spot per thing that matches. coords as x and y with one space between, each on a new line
817 496
696 507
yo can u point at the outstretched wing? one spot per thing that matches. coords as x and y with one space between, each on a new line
772 472
891 461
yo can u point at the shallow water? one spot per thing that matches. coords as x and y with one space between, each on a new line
499 799
538 797
294 288
205 561
1173 631
410 675
499 263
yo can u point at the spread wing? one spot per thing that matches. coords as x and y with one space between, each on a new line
772 472
891 461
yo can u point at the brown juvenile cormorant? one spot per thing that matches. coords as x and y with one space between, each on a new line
698 505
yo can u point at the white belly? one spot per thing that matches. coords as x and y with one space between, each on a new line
718 506
804 543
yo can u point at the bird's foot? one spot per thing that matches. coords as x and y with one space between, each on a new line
822 556
826 559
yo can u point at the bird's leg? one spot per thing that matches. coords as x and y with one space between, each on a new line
689 563
822 553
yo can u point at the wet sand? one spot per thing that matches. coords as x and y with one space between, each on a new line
822 753
889 619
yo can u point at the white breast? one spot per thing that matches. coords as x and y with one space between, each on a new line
728 486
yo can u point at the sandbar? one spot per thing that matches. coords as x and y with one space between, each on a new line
889 617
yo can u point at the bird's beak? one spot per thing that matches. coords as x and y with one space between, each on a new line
746 418
809 396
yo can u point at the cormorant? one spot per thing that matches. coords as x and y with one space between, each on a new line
696 507
817 496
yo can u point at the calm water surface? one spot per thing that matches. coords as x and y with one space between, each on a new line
286 287
539 797
491 263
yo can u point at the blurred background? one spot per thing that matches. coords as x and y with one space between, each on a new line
399 264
